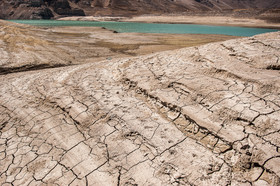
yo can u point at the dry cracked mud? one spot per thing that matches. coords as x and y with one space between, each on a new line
207 115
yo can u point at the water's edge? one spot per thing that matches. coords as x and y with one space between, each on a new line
125 27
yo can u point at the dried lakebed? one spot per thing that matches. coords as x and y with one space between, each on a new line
206 115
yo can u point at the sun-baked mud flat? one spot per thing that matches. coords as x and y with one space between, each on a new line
204 115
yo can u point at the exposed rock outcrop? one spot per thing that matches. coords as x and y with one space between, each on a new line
205 115
37 9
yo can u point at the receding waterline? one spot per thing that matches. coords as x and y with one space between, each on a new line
125 27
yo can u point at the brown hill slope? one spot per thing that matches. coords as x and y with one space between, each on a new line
46 9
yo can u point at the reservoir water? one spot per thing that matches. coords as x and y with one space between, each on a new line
154 27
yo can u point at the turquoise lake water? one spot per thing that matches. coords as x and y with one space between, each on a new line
124 27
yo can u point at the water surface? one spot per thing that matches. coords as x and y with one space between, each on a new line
124 27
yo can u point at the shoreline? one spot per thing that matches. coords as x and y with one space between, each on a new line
175 19
87 44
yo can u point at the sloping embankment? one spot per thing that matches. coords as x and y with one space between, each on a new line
205 115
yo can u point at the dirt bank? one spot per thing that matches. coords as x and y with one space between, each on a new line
205 20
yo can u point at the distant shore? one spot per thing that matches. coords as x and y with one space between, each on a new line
204 20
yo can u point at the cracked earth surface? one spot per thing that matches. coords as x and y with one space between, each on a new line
207 115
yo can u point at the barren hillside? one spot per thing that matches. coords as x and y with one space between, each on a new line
46 9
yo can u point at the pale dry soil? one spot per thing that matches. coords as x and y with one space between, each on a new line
186 19
205 115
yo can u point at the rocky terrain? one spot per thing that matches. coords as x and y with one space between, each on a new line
205 115
47 9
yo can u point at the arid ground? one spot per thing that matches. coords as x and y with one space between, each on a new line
85 106
187 19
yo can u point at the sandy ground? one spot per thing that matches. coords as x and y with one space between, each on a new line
208 20
205 20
